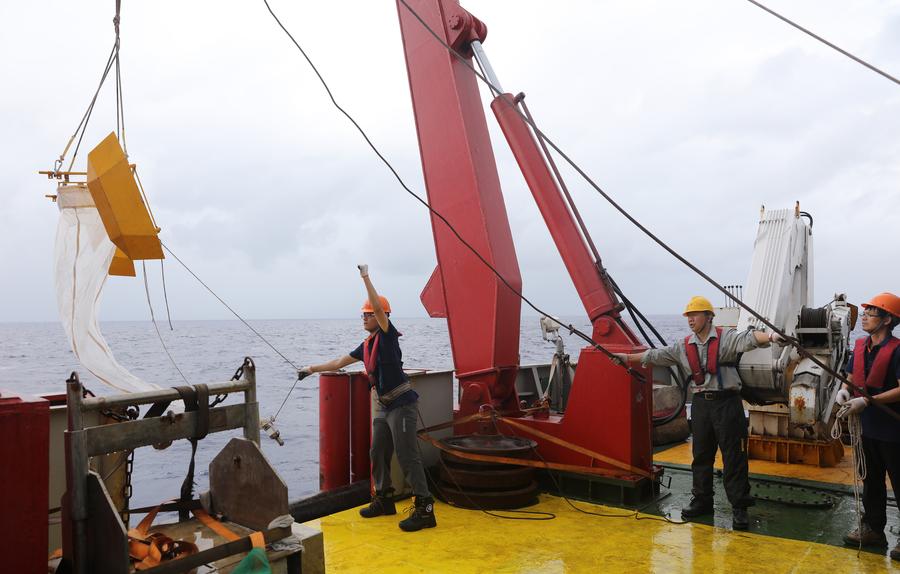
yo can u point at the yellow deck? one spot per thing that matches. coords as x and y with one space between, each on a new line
470 541
842 473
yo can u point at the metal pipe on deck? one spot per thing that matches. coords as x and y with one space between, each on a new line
334 430
360 427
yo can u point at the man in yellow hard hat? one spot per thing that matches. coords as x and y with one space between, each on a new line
710 355
396 415
875 365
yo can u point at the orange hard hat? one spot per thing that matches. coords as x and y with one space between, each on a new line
367 306
886 302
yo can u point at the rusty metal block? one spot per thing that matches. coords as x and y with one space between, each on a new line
795 451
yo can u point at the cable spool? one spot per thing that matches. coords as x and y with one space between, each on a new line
813 318
488 485
813 328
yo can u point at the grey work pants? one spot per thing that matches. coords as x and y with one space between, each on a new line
395 430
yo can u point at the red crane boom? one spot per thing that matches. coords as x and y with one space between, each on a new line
608 412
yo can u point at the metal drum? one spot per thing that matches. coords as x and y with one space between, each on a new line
483 484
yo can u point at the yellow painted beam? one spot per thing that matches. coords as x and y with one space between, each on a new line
118 200
121 265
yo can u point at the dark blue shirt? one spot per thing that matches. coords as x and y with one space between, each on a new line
876 423
388 366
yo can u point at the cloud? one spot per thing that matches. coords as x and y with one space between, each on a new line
690 116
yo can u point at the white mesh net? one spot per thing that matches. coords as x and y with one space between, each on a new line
83 255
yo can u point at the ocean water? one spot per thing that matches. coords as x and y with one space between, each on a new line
35 358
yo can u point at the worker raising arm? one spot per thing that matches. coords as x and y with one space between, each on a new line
396 415
710 355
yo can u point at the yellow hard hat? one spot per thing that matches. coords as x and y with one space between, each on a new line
698 303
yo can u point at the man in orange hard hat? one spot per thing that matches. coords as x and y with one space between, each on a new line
710 355
394 423
875 366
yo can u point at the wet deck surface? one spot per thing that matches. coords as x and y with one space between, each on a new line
822 525
782 537
471 541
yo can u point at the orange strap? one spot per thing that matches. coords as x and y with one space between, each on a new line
215 525
258 540
423 434
576 448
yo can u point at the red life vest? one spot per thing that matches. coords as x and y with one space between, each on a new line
712 357
370 355
880 365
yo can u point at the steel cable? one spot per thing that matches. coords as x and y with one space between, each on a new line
571 328
826 42
227 306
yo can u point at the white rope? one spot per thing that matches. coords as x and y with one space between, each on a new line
854 429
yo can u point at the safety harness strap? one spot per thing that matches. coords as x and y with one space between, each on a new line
698 374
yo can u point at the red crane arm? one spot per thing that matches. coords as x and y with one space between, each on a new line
463 185
593 287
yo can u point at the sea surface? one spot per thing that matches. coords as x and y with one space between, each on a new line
35 358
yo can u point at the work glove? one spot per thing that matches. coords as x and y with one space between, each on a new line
620 359
304 372
776 338
854 407
842 397
363 270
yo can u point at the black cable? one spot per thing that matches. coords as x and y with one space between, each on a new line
788 339
632 308
637 375
82 125
233 312
537 514
632 514
826 42
633 311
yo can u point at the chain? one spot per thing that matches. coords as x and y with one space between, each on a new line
127 489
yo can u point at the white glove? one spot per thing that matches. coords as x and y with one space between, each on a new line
842 397
854 406
363 270
776 338
620 359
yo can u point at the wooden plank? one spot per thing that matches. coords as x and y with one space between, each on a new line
107 541
145 432
241 468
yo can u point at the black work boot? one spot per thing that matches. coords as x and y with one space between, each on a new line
895 553
698 507
739 519
382 505
422 515
868 536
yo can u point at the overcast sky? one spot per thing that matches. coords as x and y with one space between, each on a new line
690 114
